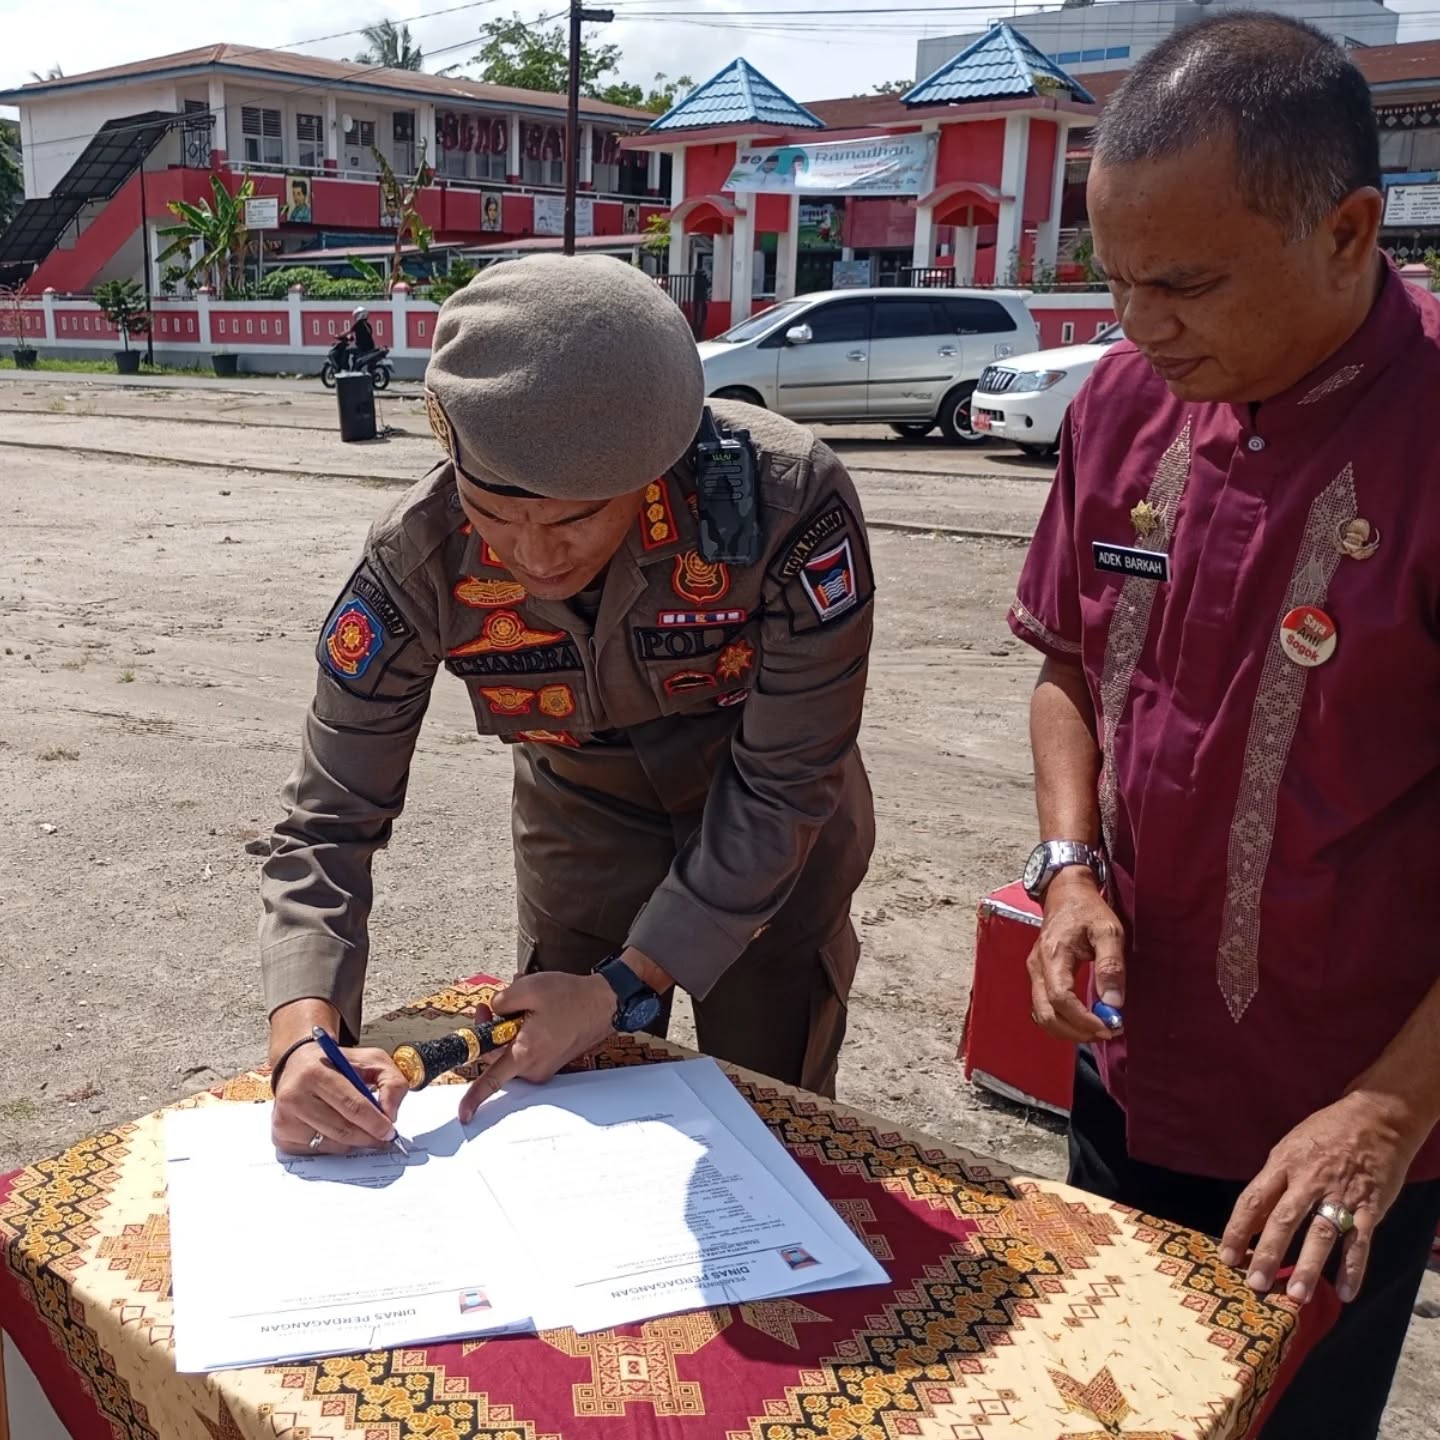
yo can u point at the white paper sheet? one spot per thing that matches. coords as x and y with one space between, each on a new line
597 1199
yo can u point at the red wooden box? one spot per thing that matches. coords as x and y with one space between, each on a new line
1002 1048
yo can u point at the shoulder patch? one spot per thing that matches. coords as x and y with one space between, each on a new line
812 537
363 634
829 581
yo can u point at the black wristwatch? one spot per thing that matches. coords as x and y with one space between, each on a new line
636 1004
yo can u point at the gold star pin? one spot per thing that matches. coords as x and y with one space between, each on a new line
1145 519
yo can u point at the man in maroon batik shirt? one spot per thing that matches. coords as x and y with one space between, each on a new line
1236 586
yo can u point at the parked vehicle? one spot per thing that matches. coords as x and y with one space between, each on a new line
909 358
376 361
1027 403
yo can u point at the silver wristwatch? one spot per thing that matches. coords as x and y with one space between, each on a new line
1051 856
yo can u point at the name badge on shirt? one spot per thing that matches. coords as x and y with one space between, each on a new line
1126 560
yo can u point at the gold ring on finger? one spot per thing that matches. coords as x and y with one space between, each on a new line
1337 1214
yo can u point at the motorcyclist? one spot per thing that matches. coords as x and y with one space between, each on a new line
360 336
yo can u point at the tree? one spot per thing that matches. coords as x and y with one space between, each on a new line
459 275
397 200
663 93
390 45
53 73
12 178
123 305
893 87
217 229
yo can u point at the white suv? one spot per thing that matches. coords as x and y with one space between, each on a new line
902 357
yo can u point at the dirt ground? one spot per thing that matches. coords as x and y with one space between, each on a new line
166 556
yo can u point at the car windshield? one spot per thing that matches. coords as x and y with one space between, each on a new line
762 323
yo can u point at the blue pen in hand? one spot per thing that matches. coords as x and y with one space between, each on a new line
336 1056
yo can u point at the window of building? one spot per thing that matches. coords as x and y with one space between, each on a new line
359 142
263 134
492 166
542 172
309 141
1117 52
402 132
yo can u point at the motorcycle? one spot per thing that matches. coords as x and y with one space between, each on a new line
375 361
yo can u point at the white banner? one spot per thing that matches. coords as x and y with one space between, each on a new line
550 215
1412 205
262 212
881 165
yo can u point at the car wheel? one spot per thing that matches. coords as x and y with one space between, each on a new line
741 393
956 423
1039 452
913 429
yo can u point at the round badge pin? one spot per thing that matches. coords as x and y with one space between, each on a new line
1307 636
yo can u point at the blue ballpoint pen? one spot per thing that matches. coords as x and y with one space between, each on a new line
336 1056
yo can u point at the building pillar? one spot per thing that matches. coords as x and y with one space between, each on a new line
586 172
294 299
1010 230
922 257
677 196
720 271
220 130
652 173
787 253
47 299
513 162
742 262
203 297
967 240
332 134
1047 235
425 135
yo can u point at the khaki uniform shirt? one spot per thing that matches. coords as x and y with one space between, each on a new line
730 692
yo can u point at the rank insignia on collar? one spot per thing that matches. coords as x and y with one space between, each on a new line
488 594
489 557
700 581
1146 520
1357 539
504 630
657 520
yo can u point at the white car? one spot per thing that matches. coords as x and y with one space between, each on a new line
907 358
1026 403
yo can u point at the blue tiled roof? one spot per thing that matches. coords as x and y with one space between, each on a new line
738 93
1000 65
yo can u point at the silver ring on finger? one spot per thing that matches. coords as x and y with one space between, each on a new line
1337 1214
316 1140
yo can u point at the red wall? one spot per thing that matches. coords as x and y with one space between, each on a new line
1040 170
253 327
707 167
975 151
325 327
772 214
351 207
1051 325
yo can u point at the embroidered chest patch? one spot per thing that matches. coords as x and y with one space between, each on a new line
353 639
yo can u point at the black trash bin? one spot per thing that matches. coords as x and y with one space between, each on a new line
356 398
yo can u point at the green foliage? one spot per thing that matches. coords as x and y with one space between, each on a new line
517 53
657 234
1083 254
893 87
397 199
320 285
461 273
12 177
390 45
123 304
217 229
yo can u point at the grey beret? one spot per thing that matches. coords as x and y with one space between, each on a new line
570 377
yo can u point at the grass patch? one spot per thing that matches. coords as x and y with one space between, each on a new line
127 677
59 752
100 366
18 1110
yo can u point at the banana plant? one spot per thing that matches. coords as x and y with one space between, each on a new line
397 206
216 229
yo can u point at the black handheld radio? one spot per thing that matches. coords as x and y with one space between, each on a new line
725 484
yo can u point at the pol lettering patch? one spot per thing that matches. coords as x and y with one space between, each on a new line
1128 561
829 581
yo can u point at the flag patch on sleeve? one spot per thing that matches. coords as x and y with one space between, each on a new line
828 580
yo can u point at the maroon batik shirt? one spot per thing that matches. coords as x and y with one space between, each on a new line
1272 827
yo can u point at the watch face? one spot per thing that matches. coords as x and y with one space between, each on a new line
640 1011
1034 867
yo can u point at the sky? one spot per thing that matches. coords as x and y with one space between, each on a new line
809 56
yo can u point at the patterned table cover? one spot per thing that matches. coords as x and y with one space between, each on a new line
1018 1308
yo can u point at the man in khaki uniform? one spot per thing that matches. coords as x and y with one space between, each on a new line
690 805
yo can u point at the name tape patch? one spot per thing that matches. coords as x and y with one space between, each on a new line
1126 560
540 660
809 540
380 603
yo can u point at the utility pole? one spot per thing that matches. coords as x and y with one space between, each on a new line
145 260
578 15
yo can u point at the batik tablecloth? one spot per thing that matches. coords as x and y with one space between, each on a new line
1017 1308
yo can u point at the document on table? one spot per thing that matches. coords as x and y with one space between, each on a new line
598 1199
